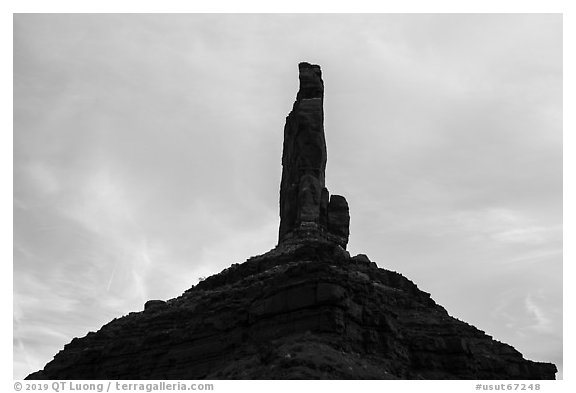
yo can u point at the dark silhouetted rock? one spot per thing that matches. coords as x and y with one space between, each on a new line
300 311
304 310
304 199
151 304
338 220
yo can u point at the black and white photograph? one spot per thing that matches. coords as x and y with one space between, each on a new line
373 196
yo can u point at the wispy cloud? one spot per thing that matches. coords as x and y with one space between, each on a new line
41 178
504 225
538 256
528 235
101 204
542 322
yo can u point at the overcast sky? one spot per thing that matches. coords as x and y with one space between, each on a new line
147 154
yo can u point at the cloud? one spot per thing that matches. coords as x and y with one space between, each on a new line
543 324
101 205
539 256
528 235
41 178
504 225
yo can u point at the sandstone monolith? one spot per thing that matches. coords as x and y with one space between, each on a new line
306 208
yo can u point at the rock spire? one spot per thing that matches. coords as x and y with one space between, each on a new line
306 309
306 208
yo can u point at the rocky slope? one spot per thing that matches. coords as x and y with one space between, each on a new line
306 310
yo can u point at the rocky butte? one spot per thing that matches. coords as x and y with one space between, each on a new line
304 310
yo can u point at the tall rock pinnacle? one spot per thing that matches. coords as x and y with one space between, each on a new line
306 309
306 210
